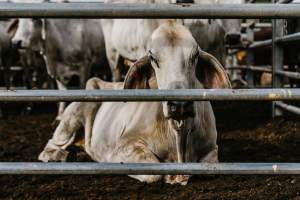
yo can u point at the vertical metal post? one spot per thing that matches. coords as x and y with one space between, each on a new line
278 31
250 58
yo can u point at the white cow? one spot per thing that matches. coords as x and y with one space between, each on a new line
128 38
150 132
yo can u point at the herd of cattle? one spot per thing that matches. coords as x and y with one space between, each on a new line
134 54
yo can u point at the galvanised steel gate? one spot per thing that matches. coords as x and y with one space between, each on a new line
99 10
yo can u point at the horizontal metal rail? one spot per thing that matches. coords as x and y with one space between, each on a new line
261 44
148 168
100 10
253 68
289 38
287 107
283 40
260 69
292 75
150 95
258 25
284 1
13 68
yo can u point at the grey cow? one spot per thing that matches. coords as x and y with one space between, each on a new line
213 35
70 47
150 132
7 53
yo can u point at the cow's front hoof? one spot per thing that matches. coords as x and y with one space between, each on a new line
53 155
177 179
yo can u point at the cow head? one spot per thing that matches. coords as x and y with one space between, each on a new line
27 33
232 29
175 61
232 26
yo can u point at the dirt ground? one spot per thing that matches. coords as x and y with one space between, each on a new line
245 135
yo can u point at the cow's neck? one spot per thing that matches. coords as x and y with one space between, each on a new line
181 129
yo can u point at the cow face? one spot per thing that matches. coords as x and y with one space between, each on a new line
232 26
233 31
27 34
175 61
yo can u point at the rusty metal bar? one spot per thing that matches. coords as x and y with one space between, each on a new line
287 107
150 95
148 168
100 10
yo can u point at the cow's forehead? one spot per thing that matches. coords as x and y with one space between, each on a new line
172 34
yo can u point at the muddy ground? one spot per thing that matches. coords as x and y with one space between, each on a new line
246 134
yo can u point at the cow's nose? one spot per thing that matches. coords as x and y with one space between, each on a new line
17 44
233 39
181 109
185 1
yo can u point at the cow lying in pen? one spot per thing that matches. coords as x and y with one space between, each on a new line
150 132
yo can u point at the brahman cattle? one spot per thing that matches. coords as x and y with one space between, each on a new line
127 39
7 53
149 132
70 47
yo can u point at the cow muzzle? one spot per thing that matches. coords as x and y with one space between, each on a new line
179 110
185 1
233 39
17 44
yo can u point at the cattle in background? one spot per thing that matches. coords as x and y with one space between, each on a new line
209 35
150 132
124 42
232 27
70 47
7 53
215 34
292 53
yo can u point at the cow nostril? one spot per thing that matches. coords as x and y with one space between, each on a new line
181 109
17 43
174 105
233 38
185 1
187 104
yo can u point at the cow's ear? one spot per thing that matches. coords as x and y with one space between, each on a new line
141 75
12 28
210 72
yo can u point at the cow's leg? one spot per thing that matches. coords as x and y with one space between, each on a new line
211 157
139 155
61 105
76 115
85 73
64 135
116 71
6 71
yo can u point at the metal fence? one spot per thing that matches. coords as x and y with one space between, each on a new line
94 10
279 40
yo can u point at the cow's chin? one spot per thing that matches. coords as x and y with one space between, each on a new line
34 48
